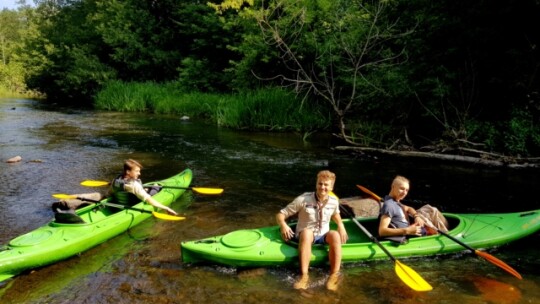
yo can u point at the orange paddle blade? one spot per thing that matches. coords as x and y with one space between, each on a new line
498 262
367 191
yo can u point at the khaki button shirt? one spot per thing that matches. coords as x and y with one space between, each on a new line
310 215
136 188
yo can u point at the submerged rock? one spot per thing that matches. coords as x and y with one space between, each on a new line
15 159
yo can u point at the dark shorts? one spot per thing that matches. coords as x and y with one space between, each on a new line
319 240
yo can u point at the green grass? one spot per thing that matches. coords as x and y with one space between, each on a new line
264 109
7 93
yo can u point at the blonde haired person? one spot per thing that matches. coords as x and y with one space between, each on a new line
315 210
394 215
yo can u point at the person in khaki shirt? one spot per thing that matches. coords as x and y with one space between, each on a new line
315 210
127 188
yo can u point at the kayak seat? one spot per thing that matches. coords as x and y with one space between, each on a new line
67 217
64 214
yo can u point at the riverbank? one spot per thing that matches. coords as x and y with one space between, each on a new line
269 109
278 110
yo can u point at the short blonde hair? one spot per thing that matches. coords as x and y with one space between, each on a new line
326 175
400 180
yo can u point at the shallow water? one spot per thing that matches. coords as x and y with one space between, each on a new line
260 173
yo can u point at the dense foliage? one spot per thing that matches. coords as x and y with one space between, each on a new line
449 75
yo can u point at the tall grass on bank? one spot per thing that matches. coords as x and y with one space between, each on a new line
270 109
6 92
9 93
265 109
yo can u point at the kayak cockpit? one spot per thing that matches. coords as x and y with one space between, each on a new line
87 215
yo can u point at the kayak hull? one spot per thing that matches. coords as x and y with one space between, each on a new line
264 247
55 241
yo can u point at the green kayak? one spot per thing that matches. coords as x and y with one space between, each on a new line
56 241
264 246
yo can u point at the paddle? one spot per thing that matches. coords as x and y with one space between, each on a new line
410 277
155 214
490 258
200 190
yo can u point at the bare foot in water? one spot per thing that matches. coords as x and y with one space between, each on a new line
333 281
302 282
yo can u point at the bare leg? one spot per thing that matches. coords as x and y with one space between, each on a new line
304 250
304 255
334 255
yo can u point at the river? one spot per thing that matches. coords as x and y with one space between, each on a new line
261 173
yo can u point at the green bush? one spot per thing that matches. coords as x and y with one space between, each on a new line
520 133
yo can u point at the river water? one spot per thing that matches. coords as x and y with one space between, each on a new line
260 173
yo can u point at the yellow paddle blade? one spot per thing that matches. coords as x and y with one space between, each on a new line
94 183
209 191
499 263
167 217
64 196
411 278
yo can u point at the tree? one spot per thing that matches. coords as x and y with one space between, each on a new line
61 52
473 69
12 23
206 48
340 51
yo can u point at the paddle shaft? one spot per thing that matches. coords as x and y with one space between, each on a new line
156 214
453 238
374 239
104 183
170 187
201 190
114 205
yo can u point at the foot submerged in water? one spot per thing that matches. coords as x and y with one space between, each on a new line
333 281
302 282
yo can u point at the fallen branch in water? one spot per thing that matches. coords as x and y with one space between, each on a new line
484 158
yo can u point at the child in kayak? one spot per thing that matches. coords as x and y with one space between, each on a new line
128 189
